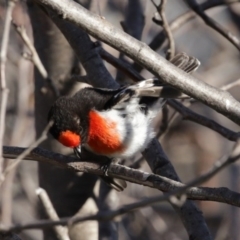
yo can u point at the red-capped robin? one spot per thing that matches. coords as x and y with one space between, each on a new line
114 123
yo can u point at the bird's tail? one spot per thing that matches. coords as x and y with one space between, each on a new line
155 88
186 63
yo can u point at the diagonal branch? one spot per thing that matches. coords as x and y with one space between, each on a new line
61 232
35 58
100 28
21 156
204 121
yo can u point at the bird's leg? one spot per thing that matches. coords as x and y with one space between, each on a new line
118 184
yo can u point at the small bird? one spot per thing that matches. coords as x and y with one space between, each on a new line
116 123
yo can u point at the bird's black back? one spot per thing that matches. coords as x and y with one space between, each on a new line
95 98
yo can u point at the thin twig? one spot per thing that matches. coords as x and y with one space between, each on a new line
34 57
171 50
3 86
13 165
61 232
159 39
213 24
218 165
231 85
204 121
120 64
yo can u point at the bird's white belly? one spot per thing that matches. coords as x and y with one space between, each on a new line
133 127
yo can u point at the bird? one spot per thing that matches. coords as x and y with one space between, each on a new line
116 123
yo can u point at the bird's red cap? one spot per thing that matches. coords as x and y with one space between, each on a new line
69 139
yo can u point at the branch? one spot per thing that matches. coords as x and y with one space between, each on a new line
86 52
204 121
231 85
213 24
133 24
61 232
188 212
21 156
3 85
123 172
98 27
167 30
159 39
107 216
123 66
34 57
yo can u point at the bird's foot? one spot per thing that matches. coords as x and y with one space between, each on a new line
106 165
105 168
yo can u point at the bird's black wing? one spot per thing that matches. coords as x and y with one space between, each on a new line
153 88
97 98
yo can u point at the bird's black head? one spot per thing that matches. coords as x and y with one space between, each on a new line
66 123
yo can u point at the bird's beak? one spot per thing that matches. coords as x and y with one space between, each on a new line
79 148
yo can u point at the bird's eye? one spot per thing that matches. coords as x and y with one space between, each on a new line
77 120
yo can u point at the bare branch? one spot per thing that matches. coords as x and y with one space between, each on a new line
102 216
123 172
133 24
86 51
159 39
62 232
121 65
219 165
34 57
213 24
13 165
231 85
3 85
107 216
167 30
197 118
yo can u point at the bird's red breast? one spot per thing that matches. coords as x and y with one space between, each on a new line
103 137
69 139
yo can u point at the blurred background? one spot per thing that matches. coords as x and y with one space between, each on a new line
192 148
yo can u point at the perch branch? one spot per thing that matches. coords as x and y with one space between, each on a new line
123 172
107 216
